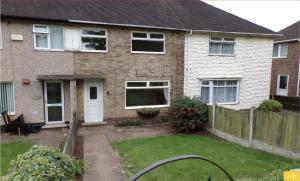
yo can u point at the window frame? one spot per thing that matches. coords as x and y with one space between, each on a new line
93 36
148 39
14 98
279 51
148 87
211 86
278 82
222 41
48 37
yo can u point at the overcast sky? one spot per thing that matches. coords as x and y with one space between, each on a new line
274 15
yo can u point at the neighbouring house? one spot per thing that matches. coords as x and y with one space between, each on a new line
286 62
105 59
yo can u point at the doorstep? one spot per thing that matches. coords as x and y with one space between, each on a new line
94 123
61 125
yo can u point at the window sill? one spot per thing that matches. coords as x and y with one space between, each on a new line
141 107
227 103
154 53
279 57
66 50
48 50
222 55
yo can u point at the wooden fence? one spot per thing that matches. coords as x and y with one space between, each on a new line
72 135
278 133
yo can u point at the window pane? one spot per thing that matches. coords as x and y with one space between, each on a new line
158 36
153 84
136 84
284 50
283 82
205 94
147 46
275 50
40 29
231 82
41 40
227 49
206 82
219 83
146 97
54 93
56 37
139 35
215 38
54 113
224 94
93 92
90 31
7 97
215 48
89 43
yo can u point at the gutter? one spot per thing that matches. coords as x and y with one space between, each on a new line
289 40
239 33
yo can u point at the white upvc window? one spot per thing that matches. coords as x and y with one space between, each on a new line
93 40
220 91
7 97
147 42
280 50
147 94
221 46
48 37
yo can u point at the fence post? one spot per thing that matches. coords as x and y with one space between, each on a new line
213 118
251 127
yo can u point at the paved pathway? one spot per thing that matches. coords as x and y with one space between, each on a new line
102 163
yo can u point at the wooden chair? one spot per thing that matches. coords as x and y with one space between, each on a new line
12 125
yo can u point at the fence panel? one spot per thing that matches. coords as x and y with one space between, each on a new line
233 122
72 135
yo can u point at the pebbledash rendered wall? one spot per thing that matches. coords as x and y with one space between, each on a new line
251 64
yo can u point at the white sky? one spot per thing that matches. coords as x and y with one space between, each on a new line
274 15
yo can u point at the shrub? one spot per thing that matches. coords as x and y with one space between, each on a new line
147 112
128 123
270 105
45 163
188 114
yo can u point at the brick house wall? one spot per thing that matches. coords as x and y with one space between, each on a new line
290 66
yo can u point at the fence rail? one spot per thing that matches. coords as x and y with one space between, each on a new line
71 138
273 132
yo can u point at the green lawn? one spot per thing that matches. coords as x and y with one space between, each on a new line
9 152
241 163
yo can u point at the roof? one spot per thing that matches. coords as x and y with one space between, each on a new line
163 14
290 33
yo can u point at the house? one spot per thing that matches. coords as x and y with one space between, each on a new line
286 62
105 59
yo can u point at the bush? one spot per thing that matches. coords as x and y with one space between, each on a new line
188 114
45 163
147 112
270 105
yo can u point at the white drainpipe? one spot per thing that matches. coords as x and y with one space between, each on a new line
187 68
298 81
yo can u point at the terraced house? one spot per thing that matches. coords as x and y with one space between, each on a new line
105 58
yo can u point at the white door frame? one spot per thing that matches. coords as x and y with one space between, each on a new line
85 93
46 105
278 84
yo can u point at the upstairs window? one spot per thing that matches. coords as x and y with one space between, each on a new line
93 39
7 97
145 42
48 37
280 50
221 46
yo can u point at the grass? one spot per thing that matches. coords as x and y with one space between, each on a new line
9 152
240 162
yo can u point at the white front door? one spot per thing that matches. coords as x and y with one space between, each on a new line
282 85
93 101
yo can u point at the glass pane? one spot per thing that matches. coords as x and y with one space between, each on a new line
153 84
215 38
41 40
224 94
206 82
146 97
56 37
54 93
147 46
139 35
275 50
157 36
89 43
54 113
90 31
284 50
231 82
136 84
7 97
215 48
283 82
93 92
205 94
227 49
219 83
40 29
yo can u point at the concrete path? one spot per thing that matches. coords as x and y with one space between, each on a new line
102 163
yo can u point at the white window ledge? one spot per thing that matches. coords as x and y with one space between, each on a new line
141 107
154 53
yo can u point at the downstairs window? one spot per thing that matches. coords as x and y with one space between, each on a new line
147 94
7 98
